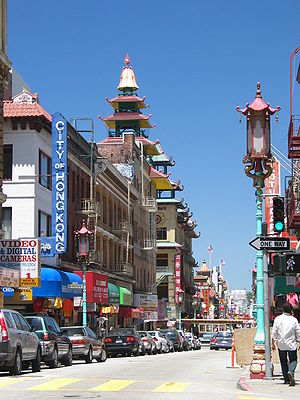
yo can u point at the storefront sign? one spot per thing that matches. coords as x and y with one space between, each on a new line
20 263
272 188
206 299
8 291
96 287
57 244
23 294
177 276
148 303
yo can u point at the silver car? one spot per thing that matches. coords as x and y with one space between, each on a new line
85 344
160 342
19 345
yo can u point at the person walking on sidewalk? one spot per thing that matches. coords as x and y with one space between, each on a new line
286 333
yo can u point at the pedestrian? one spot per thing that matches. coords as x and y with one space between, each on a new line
286 333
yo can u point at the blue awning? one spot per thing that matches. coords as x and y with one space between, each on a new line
51 284
71 284
56 283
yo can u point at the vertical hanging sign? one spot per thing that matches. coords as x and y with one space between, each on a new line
57 243
177 277
272 188
59 182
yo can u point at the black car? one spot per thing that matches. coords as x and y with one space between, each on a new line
124 341
56 346
174 336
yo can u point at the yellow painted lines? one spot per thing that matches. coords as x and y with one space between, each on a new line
54 384
11 381
113 385
172 387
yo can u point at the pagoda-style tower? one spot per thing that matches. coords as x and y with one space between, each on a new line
127 107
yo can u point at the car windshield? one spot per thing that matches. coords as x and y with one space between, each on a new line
122 332
35 323
171 334
143 334
189 335
74 331
152 333
224 334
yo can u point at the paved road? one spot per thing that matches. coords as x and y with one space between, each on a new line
184 376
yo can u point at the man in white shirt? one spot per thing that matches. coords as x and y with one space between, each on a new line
286 333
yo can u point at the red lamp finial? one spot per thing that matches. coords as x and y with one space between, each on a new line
258 91
127 60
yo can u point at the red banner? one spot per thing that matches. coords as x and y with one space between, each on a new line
272 188
206 299
177 276
96 287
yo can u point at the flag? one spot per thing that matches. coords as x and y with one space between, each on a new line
222 262
210 249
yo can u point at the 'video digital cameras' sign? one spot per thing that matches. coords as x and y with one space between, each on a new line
57 243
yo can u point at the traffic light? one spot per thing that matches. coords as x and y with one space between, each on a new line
278 214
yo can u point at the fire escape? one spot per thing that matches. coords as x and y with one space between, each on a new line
293 187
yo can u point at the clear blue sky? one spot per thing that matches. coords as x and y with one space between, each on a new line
194 61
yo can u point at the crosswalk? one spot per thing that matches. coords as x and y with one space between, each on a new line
25 384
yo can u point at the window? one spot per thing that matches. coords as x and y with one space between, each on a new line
161 234
162 260
50 324
7 162
44 224
90 333
45 170
8 319
24 325
6 222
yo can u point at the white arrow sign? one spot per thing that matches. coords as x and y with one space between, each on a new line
271 244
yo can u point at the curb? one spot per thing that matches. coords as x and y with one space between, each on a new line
243 385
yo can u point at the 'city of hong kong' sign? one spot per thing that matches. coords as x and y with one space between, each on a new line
177 277
57 243
20 263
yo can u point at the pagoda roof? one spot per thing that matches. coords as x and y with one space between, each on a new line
203 269
143 120
150 147
127 99
25 104
161 180
127 79
177 186
162 158
258 104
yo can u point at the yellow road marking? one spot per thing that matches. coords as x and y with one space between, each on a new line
7 382
54 384
172 387
113 385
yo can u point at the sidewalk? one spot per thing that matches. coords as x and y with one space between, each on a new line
275 387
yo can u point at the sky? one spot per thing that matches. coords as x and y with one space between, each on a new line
195 61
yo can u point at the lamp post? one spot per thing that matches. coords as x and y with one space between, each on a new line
258 161
180 300
82 236
195 304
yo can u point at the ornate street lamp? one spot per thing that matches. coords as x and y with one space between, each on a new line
180 301
83 236
259 161
195 304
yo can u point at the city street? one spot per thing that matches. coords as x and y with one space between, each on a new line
170 376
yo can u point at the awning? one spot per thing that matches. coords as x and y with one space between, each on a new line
113 294
71 284
129 312
51 284
126 297
281 286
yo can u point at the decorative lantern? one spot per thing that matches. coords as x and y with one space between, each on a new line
222 307
180 296
83 240
203 306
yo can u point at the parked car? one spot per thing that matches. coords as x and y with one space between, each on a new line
85 344
18 343
222 340
197 343
169 343
149 342
185 343
160 341
175 337
191 340
56 346
123 341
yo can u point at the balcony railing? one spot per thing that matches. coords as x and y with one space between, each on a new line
150 204
294 137
293 204
123 268
89 207
149 244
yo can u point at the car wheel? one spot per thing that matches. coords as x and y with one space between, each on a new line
150 352
16 369
25 365
89 357
68 360
103 356
217 348
54 361
160 350
36 363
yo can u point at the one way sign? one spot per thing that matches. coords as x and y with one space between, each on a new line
271 243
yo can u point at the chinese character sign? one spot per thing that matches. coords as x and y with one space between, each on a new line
177 276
